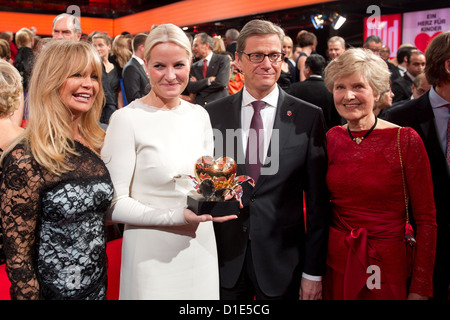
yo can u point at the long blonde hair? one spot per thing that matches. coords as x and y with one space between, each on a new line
49 134
120 50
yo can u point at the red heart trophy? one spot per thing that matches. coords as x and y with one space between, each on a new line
217 189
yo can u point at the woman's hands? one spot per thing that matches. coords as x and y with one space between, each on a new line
191 217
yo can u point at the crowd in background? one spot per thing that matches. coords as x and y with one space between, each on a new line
302 67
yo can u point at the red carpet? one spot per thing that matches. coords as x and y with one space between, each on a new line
4 284
114 252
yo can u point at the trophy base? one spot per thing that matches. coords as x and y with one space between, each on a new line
199 206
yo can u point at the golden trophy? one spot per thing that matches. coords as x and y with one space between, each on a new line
217 189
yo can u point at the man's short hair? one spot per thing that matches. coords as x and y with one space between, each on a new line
205 38
232 34
414 52
258 27
372 38
316 63
337 39
437 52
138 40
76 22
404 52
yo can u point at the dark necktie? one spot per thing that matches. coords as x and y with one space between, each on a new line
255 145
205 68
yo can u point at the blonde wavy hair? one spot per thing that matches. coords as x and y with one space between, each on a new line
11 90
49 134
359 61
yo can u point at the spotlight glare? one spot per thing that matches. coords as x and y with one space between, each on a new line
317 20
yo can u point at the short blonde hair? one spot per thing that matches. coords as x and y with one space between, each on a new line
24 37
49 134
167 33
11 90
359 61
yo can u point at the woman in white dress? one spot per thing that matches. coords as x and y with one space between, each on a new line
168 251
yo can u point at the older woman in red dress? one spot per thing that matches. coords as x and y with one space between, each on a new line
367 257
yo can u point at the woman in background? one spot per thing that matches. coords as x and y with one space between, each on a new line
110 77
120 55
307 41
383 102
24 62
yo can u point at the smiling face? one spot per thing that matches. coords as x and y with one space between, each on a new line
78 91
287 48
354 98
335 49
168 69
260 78
199 49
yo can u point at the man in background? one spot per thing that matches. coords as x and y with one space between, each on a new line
429 116
210 74
66 26
135 80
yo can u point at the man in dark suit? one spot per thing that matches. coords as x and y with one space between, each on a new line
429 116
135 79
402 87
266 252
313 89
210 73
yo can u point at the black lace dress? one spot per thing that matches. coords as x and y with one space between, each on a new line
2 254
54 226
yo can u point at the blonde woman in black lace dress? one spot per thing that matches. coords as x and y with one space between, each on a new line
55 189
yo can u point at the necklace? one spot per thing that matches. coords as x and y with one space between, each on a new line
358 140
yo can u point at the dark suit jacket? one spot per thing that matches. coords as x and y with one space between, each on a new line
313 90
219 67
135 80
401 87
419 115
395 72
273 211
231 47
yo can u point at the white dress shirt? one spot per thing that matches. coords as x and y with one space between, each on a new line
441 115
268 117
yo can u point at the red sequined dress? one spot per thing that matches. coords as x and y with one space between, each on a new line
367 257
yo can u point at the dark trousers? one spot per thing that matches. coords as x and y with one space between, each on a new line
247 287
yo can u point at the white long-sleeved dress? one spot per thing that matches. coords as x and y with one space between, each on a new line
163 257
